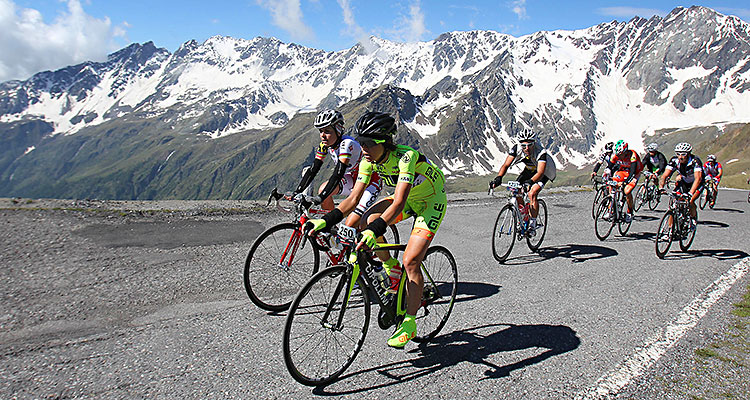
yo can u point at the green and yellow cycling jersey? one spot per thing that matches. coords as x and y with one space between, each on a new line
406 165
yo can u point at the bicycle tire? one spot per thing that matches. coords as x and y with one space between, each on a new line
640 198
714 196
664 235
391 236
600 193
268 284
439 294
686 240
622 226
306 341
505 230
603 230
654 200
541 222
703 200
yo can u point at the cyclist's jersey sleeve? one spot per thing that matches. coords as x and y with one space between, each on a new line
687 170
531 161
656 163
405 164
348 148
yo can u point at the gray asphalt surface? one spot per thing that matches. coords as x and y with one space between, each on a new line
110 305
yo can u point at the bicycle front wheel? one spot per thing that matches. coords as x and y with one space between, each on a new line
687 237
605 219
391 236
623 226
504 233
640 197
704 200
664 235
440 288
322 337
600 193
541 228
654 199
277 266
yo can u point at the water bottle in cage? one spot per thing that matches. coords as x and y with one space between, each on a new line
382 276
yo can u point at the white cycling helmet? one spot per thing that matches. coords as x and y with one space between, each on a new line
526 135
683 147
652 147
330 118
711 157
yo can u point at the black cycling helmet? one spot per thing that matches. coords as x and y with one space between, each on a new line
609 146
375 125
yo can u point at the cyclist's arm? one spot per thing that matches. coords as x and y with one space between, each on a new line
662 164
506 165
309 176
721 172
338 174
663 179
698 175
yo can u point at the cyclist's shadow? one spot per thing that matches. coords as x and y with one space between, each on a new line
469 345
575 252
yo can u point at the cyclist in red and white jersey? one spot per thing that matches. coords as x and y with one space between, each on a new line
712 169
348 154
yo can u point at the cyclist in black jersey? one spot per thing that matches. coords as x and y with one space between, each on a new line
690 179
654 162
539 168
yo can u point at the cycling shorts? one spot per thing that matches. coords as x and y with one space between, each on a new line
684 187
428 214
622 176
368 197
527 174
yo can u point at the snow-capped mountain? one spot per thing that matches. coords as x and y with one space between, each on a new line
578 89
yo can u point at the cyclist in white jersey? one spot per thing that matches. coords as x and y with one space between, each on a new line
348 154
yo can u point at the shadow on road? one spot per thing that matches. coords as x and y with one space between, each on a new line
468 345
723 254
713 224
469 291
644 218
631 236
575 252
732 210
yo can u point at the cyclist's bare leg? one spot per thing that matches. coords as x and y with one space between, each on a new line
413 256
533 203
327 203
629 197
693 209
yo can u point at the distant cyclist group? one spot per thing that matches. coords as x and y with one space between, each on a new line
370 159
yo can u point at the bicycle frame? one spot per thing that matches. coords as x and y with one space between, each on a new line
518 191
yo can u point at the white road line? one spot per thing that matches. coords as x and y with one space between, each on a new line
655 347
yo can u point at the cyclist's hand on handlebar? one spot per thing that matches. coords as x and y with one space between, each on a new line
367 240
496 182
314 226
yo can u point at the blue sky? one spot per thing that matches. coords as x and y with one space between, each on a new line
49 34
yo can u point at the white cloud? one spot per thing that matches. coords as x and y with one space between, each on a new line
629 12
410 28
287 15
352 28
29 45
519 8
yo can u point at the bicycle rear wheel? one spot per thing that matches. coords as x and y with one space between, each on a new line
277 266
541 227
316 348
664 235
603 226
504 233
440 288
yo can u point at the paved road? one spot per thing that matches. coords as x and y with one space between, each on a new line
101 305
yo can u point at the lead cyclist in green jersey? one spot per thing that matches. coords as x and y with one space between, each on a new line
419 192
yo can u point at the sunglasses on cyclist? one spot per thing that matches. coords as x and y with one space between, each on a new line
526 145
680 153
370 142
